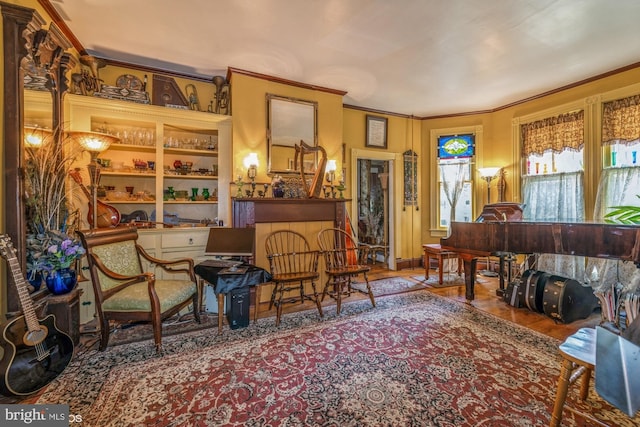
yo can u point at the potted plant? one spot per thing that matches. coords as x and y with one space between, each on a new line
60 255
624 214
50 216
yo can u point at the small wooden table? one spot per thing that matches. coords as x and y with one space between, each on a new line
252 278
435 251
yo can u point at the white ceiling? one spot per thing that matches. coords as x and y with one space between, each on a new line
420 57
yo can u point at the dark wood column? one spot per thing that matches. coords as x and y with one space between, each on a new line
25 41
15 21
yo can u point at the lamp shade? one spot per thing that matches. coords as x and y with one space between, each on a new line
331 166
93 141
251 160
488 172
35 136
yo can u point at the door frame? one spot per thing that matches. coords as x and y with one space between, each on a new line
393 160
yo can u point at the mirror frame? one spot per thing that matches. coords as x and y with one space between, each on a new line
289 121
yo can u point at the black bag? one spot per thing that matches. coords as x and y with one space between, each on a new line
514 294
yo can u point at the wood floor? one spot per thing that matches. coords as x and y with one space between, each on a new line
485 300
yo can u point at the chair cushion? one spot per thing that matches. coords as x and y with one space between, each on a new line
120 257
136 297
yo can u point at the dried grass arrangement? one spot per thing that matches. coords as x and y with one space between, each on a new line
47 166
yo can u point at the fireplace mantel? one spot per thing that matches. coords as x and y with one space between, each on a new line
247 212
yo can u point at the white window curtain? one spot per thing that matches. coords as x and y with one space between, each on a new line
452 177
617 187
556 198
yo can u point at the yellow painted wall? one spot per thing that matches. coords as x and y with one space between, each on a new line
403 134
249 111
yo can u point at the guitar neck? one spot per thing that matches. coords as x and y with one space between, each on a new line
76 177
23 293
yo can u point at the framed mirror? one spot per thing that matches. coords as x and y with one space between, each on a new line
289 121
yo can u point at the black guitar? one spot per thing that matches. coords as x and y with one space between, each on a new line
35 351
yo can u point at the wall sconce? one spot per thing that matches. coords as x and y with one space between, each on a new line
251 163
330 171
488 174
330 176
95 143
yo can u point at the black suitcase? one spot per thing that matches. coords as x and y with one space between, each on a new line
238 301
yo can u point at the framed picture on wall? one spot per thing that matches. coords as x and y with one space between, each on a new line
376 132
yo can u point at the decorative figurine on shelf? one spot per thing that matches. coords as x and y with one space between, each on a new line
205 193
341 187
239 183
277 186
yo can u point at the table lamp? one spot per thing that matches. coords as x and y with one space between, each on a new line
488 174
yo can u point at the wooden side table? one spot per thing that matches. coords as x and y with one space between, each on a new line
66 309
435 251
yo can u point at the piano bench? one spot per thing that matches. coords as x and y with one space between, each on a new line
436 251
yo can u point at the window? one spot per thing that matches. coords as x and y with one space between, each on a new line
620 180
455 155
552 186
453 161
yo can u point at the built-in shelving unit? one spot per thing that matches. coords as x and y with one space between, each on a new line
169 158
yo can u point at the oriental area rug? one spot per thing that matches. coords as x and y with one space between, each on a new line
389 286
415 360
448 280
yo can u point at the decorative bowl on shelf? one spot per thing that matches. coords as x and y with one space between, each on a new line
117 166
117 195
181 195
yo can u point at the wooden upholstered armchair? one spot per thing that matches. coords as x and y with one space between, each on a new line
124 292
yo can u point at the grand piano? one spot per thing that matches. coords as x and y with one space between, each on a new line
498 233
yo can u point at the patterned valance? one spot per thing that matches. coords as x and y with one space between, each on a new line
556 134
621 121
